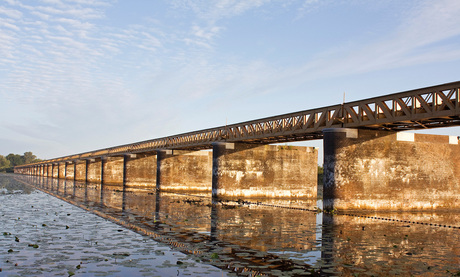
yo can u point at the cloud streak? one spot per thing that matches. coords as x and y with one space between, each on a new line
66 61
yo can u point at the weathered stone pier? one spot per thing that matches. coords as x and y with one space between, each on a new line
234 170
384 170
369 162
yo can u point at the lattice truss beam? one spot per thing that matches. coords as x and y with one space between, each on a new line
431 107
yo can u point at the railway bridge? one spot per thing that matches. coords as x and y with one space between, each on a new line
369 163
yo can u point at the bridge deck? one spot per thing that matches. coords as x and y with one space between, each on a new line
430 107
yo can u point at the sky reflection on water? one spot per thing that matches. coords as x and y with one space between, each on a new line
259 237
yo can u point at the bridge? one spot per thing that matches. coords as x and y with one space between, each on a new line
240 166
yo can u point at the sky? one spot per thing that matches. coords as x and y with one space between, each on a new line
81 75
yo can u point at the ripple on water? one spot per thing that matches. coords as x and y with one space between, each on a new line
89 243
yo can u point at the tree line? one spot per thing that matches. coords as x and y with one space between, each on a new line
7 163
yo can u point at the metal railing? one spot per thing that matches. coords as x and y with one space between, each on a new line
436 106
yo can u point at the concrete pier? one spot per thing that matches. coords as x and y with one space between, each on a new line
49 170
113 170
62 167
69 170
94 171
250 170
141 170
179 170
383 170
55 170
80 170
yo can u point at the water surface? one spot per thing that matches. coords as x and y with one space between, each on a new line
168 234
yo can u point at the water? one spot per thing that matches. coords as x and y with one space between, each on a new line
120 231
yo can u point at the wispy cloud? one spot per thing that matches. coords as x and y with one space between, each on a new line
12 13
66 61
421 38
217 10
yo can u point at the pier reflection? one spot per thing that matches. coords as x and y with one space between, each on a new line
389 244
235 235
269 237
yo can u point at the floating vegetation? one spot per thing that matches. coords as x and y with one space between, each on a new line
95 246
123 254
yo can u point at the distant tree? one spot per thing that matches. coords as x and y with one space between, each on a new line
15 159
4 162
29 157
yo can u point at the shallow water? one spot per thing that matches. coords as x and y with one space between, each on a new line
167 234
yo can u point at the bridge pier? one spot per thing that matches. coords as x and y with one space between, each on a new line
62 170
94 171
384 170
49 170
252 170
55 170
69 170
180 170
141 170
80 170
113 170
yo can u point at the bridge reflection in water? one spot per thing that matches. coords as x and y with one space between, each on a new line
274 237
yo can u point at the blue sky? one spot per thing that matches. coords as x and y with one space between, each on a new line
79 75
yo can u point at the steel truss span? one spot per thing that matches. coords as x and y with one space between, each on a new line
431 107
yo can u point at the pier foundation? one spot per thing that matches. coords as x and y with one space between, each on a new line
69 170
113 170
384 170
80 170
94 171
141 170
179 170
250 170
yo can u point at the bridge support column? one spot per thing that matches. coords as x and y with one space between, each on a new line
94 171
179 170
141 170
56 170
70 170
250 170
383 170
80 170
113 170
62 170
49 170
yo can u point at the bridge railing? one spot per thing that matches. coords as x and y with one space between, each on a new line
422 108
430 107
